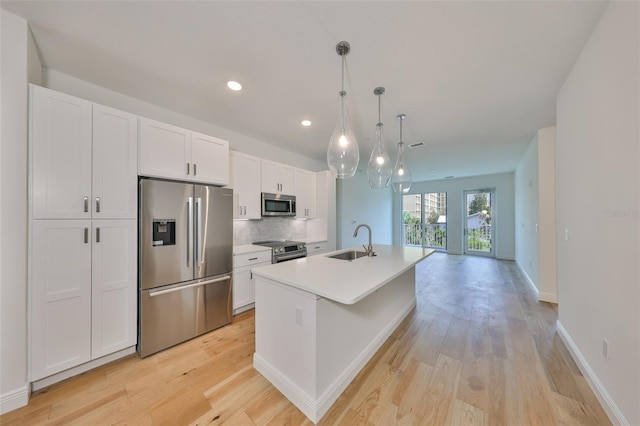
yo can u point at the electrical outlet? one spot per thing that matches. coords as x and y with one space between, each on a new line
605 348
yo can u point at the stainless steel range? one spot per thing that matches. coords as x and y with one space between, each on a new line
282 250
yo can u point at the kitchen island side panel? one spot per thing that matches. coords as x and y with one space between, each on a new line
311 348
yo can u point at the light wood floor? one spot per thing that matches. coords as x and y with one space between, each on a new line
477 350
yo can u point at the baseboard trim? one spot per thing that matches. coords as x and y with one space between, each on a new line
548 297
14 399
315 408
532 286
58 377
596 386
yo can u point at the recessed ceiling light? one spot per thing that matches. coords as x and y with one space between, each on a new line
234 85
306 123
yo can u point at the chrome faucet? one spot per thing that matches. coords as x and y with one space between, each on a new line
369 248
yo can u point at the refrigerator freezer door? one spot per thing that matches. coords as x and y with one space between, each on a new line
177 313
166 246
213 231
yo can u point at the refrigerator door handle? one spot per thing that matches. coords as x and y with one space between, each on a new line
190 229
184 287
199 231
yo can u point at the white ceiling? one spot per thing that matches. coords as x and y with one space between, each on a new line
476 79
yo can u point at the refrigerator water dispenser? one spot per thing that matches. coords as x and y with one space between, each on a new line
164 232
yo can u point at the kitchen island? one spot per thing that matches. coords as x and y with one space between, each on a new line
319 320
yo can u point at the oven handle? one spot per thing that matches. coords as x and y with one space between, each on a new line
290 257
184 287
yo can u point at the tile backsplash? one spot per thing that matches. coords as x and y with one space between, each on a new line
268 228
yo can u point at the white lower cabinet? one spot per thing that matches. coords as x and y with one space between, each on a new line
243 284
60 296
113 286
316 248
83 292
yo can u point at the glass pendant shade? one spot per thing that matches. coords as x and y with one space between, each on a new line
401 178
379 168
343 154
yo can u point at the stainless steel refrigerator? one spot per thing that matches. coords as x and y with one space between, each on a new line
185 249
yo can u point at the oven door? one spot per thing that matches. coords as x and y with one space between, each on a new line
289 256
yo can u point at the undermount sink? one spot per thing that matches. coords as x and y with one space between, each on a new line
348 255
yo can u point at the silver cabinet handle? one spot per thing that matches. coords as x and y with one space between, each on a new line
97 235
184 287
97 204
195 170
187 168
86 235
253 258
86 204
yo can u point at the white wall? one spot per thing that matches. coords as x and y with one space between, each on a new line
19 64
598 203
526 214
357 203
502 210
535 201
547 267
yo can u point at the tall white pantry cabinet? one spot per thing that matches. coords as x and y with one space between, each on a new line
83 231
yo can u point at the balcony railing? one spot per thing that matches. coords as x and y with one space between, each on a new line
479 239
435 235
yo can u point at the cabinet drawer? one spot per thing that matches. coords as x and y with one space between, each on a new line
248 259
316 248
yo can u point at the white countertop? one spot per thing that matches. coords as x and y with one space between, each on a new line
345 281
249 248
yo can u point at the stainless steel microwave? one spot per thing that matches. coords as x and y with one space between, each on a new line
278 204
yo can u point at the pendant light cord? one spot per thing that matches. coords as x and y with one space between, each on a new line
342 92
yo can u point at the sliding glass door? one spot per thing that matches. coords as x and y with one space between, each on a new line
424 220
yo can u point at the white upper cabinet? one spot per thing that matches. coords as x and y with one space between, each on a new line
115 164
165 150
277 178
60 148
210 157
245 180
305 184
84 158
171 152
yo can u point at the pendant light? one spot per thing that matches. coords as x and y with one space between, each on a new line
343 154
401 178
379 168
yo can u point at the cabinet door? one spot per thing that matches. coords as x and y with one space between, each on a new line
165 150
210 158
60 284
60 144
277 178
114 285
115 164
286 179
243 291
305 190
248 192
269 174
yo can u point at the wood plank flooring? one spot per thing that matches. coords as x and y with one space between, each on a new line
477 350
